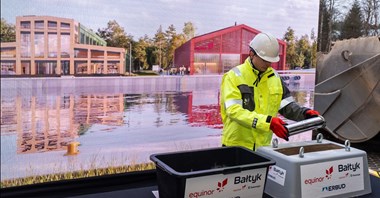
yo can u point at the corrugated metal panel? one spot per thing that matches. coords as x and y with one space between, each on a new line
231 42
212 45
247 36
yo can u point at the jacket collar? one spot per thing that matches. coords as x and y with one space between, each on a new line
254 70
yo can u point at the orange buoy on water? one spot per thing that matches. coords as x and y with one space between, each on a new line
72 148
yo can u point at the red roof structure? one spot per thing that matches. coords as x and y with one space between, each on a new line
219 51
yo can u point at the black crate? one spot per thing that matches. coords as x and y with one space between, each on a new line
173 169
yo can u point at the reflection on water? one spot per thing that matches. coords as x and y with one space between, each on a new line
47 124
113 128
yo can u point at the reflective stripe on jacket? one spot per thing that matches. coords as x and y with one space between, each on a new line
248 102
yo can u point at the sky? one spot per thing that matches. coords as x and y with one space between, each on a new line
144 17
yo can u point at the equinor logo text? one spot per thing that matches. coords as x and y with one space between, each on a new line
209 192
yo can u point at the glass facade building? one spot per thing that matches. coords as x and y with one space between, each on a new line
219 51
52 46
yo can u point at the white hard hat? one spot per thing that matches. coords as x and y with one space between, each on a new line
266 47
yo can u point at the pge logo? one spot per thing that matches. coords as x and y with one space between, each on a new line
329 172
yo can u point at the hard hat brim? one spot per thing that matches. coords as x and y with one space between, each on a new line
270 59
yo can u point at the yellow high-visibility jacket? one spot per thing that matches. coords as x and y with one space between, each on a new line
249 99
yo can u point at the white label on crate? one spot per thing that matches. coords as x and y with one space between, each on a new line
332 178
277 174
248 183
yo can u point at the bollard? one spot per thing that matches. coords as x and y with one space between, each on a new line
72 148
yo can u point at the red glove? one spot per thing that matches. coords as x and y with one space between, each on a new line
277 126
311 113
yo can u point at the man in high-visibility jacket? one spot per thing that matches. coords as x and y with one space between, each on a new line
251 96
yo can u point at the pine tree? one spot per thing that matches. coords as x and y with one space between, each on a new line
140 52
291 53
313 49
353 23
161 47
303 49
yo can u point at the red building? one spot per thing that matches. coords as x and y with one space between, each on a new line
219 51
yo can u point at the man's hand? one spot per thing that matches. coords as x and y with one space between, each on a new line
311 113
277 126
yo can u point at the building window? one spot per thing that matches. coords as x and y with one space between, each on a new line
80 53
25 67
65 67
80 67
229 61
113 67
8 67
25 44
52 45
39 45
97 67
65 45
25 24
76 38
8 52
113 54
39 24
52 24
87 40
46 67
97 54
65 26
206 63
82 38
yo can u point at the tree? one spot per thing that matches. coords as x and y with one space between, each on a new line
7 33
352 24
188 30
313 49
161 46
323 28
174 41
115 35
328 23
291 53
303 49
171 36
151 58
370 10
140 57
